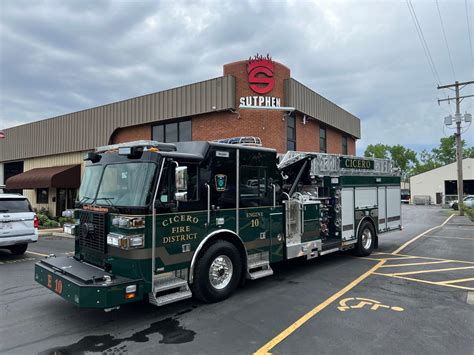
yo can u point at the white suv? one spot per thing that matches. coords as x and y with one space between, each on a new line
18 223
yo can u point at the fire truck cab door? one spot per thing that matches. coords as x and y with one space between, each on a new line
257 176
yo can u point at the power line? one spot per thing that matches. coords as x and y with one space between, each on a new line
446 40
423 42
469 30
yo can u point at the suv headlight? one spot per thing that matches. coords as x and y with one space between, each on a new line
126 241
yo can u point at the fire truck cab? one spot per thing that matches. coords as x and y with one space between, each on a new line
169 221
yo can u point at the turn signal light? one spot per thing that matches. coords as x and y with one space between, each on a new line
129 296
36 222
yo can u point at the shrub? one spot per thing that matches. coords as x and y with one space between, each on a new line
469 212
62 220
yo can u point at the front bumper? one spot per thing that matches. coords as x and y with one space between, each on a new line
83 284
23 239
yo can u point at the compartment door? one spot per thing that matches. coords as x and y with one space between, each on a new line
393 207
347 202
382 202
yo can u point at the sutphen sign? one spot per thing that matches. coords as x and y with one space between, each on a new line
261 81
264 83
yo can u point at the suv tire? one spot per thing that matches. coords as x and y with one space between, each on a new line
18 249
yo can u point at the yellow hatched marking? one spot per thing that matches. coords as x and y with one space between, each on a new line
442 236
285 333
425 281
429 258
415 264
455 281
429 271
421 235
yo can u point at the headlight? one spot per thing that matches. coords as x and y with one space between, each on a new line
128 222
126 241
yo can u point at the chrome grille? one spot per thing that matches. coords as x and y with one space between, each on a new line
92 231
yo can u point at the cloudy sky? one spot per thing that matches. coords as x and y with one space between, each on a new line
58 57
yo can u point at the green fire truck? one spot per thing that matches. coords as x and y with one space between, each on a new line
166 222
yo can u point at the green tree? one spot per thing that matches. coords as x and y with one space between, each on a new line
404 158
446 152
425 162
378 150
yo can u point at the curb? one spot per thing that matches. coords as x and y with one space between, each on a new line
63 235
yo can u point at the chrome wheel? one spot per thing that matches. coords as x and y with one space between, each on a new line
366 238
220 272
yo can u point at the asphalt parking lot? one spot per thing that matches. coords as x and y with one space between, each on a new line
415 294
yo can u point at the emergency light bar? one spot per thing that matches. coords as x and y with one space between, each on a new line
122 147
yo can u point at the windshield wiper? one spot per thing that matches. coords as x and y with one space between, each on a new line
84 199
106 199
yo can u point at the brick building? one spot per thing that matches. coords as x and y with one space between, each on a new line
255 97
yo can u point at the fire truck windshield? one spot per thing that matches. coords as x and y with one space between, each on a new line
128 184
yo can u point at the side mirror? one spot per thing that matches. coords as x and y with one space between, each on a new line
181 182
181 178
181 196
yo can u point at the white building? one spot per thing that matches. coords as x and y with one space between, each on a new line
441 184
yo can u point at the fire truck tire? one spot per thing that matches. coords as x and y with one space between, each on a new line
217 273
365 239
18 249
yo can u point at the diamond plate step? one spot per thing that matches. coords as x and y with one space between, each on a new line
169 298
168 284
258 263
261 273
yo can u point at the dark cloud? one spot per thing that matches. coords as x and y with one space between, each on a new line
61 56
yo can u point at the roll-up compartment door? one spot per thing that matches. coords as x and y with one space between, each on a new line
393 207
382 199
347 201
365 197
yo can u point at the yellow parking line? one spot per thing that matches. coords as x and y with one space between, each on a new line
429 271
455 281
425 281
421 235
415 264
285 333
39 254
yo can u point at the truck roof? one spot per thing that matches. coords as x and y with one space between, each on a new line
200 148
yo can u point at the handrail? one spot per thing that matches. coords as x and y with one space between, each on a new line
153 227
274 195
208 187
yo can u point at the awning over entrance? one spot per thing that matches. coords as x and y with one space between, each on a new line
67 176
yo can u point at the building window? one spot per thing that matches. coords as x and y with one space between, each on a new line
41 195
172 132
344 145
291 133
322 140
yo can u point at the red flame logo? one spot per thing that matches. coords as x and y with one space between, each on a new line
261 65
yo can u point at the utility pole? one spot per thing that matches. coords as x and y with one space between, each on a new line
458 118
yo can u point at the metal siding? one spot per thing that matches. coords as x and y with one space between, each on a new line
309 102
90 128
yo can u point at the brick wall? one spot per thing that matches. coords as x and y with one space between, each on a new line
132 133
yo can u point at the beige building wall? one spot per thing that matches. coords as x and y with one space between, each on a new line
431 182
50 161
